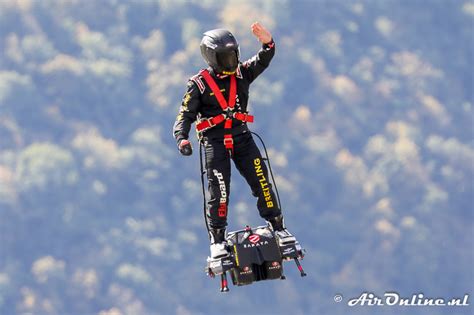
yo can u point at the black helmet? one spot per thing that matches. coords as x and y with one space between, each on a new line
220 50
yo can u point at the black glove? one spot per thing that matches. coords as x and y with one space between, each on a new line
185 147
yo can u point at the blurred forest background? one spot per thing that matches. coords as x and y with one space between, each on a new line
367 109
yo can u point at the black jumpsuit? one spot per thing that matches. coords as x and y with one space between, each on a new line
199 102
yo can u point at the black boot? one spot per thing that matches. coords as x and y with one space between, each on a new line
218 244
278 225
217 235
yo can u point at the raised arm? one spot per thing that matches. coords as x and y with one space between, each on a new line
263 35
258 63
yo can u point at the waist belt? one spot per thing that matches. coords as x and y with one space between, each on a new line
208 123
218 133
227 108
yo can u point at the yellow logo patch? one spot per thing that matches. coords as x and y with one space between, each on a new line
186 99
263 182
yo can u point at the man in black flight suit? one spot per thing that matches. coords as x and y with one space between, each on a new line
217 99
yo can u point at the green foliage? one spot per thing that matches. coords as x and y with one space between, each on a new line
45 166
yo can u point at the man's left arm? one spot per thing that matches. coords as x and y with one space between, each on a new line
258 63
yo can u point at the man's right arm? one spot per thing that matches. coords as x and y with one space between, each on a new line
188 112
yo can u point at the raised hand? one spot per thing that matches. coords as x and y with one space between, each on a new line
263 35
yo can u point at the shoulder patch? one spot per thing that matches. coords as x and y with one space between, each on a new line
238 73
197 79
249 62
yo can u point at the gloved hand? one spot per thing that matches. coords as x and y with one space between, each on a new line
185 147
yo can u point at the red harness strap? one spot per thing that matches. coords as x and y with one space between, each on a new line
226 107
217 92
243 117
209 123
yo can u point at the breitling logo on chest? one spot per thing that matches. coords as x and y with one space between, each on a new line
222 91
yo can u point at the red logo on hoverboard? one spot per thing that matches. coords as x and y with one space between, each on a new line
275 265
254 238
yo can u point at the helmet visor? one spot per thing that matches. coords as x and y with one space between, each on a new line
227 60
